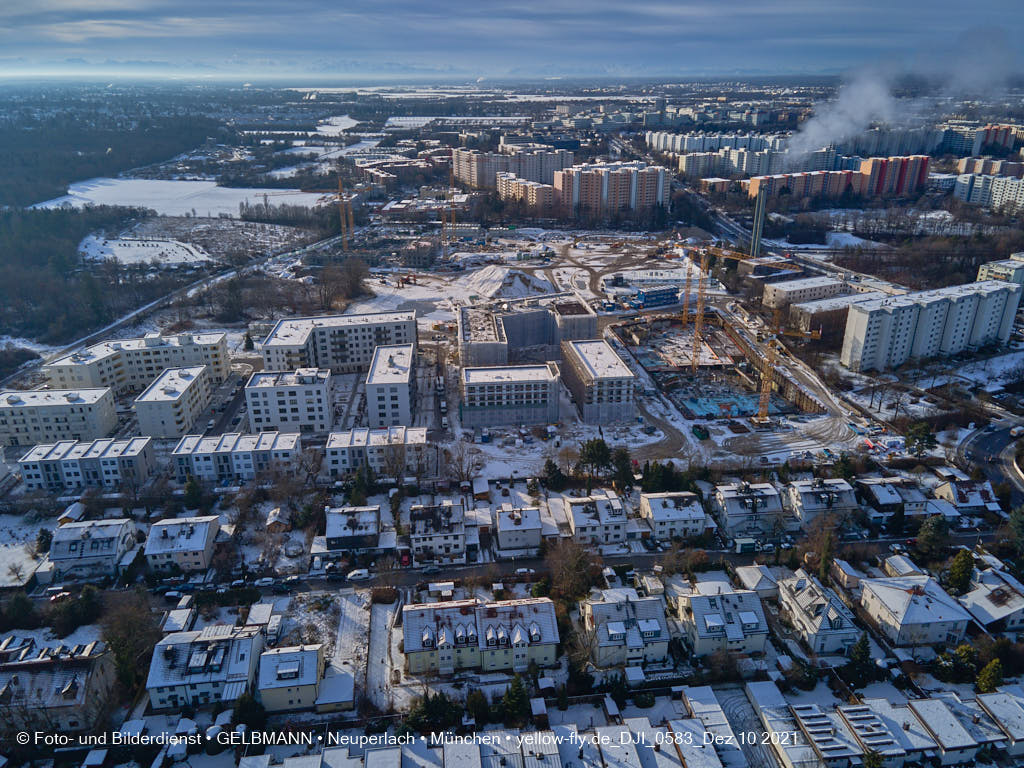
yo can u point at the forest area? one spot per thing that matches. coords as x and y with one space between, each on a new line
44 292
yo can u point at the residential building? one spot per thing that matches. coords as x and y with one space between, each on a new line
970 497
392 452
748 509
183 543
174 402
30 417
914 611
732 621
91 549
674 515
995 600
437 532
391 386
289 677
530 162
1005 707
610 188
343 343
596 519
1001 193
873 732
131 365
286 401
209 667
818 615
234 457
627 630
1009 270
885 333
900 721
821 496
70 465
783 294
760 579
518 528
601 384
56 689
514 395
875 177
956 745
828 316
471 634
537 198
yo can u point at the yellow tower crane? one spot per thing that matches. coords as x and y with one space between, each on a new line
686 295
768 370
698 320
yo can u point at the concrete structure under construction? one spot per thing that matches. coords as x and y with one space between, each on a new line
527 330
509 395
602 385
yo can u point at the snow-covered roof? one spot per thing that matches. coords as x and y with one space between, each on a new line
290 666
900 721
735 615
817 608
217 653
622 618
300 377
363 437
915 599
599 359
507 374
994 595
474 623
392 364
821 494
171 385
114 347
23 398
105 448
942 724
1006 708
600 508
757 578
872 731
511 518
671 506
102 535
295 331
182 534
827 732
352 521
235 442
901 565
776 717
982 728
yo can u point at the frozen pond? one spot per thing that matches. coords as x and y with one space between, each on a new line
176 198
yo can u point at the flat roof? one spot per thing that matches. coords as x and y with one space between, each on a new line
72 450
112 347
235 442
600 359
805 282
297 378
363 437
980 288
507 373
295 331
11 398
171 384
837 302
392 364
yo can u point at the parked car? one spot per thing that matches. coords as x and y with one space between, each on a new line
281 589
266 581
431 569
525 571
238 584
173 596
359 574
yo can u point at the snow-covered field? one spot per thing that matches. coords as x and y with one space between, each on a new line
832 240
17 539
335 126
135 251
175 198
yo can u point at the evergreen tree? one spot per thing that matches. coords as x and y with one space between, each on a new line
860 667
250 712
553 477
478 707
248 344
623 464
516 701
933 537
193 498
960 570
873 759
897 520
825 564
991 677
44 540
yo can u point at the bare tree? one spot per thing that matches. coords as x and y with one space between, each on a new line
462 462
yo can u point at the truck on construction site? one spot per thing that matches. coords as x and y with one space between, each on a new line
700 431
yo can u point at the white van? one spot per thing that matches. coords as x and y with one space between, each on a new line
359 574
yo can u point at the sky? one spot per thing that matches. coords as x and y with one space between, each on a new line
482 38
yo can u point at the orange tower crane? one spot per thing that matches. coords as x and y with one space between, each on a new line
698 320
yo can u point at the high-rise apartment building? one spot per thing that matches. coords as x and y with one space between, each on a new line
608 188
538 198
886 333
529 162
391 386
601 383
343 343
514 394
174 402
290 401
876 177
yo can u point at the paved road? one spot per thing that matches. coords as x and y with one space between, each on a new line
993 451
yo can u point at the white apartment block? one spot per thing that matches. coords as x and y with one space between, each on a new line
673 515
233 457
513 394
748 509
174 402
885 333
387 452
343 343
71 465
129 365
391 386
531 162
820 496
437 532
289 677
287 401
518 528
821 619
778 295
1009 270
914 610
211 667
29 417
627 629
596 519
185 542
470 634
90 549
600 382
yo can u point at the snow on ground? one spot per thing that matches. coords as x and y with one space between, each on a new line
992 374
17 539
35 346
496 281
335 126
175 198
290 171
832 240
84 635
135 251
